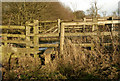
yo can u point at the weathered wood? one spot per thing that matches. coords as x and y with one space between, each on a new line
46 35
74 27
12 27
47 55
48 45
90 23
36 39
49 39
27 36
73 34
114 33
31 24
93 28
13 35
66 34
14 41
45 45
48 21
78 23
84 45
83 28
102 19
112 24
109 22
5 40
49 30
81 34
61 38
61 25
55 30
58 25
90 45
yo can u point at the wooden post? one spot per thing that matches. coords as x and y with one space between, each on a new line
84 25
95 24
84 19
61 38
103 35
27 36
44 25
36 39
92 45
112 25
5 39
5 44
58 25
94 29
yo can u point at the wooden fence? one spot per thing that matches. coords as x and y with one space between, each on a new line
30 36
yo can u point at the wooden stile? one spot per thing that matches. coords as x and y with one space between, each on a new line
33 46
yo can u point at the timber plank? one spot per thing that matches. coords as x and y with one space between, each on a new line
74 34
12 27
48 45
15 41
13 35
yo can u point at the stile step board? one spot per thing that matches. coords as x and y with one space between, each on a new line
47 55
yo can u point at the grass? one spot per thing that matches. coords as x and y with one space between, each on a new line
76 63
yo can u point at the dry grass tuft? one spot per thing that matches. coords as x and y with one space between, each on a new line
96 63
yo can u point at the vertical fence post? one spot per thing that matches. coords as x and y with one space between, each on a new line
112 29
27 36
61 38
95 30
36 39
5 39
102 31
58 22
84 25
95 27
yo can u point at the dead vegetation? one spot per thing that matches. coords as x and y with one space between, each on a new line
76 63
95 63
17 13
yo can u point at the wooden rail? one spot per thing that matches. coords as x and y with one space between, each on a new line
75 34
12 27
13 35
